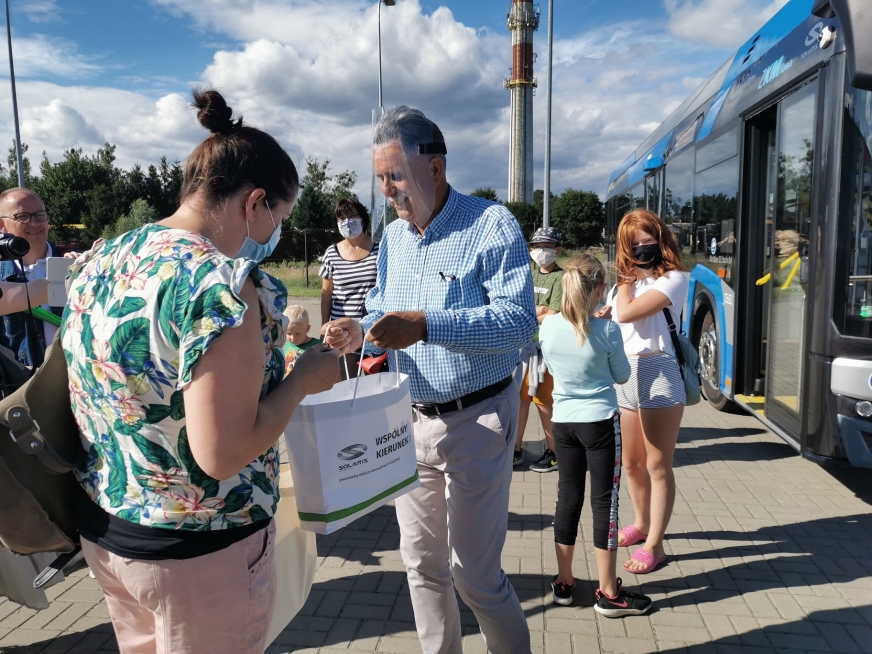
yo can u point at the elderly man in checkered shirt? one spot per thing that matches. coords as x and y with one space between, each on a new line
454 300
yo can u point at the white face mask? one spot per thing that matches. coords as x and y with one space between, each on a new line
350 227
543 256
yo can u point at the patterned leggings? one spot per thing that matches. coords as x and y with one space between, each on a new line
581 446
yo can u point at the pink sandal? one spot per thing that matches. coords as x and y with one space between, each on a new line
645 557
631 536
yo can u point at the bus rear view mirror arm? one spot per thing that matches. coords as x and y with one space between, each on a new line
855 19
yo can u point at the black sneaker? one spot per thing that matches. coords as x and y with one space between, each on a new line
547 463
562 592
626 603
519 458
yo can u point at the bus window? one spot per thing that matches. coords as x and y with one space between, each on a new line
715 192
652 188
678 202
638 193
721 149
852 306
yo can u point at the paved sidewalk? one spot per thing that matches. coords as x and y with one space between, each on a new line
769 553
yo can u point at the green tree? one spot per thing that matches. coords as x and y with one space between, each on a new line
527 216
141 213
580 218
311 210
161 187
319 194
9 174
539 203
82 189
488 193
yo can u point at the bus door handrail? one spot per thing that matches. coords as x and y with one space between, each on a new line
793 257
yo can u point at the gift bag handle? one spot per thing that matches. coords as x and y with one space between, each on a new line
360 369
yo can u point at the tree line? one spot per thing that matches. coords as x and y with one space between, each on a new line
579 215
92 191
89 196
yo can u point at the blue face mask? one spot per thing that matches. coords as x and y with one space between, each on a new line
254 251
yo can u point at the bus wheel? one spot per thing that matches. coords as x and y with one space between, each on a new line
707 346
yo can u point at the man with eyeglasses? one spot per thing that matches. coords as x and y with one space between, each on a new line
23 214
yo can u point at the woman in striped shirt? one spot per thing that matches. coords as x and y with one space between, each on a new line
348 269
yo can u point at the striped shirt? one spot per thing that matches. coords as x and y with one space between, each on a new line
469 274
352 280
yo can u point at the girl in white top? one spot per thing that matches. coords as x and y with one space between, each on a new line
652 401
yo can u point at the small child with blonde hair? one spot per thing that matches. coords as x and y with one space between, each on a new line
298 334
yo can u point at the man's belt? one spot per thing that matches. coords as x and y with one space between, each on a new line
433 410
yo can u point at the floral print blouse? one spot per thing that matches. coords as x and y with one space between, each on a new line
142 310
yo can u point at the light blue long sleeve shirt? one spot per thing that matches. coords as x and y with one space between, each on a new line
470 275
584 376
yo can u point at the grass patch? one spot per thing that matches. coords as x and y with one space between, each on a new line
293 274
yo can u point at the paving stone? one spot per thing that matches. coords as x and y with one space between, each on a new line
399 645
628 646
363 612
764 561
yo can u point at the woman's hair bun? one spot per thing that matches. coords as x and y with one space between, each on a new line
213 112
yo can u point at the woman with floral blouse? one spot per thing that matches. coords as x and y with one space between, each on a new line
173 338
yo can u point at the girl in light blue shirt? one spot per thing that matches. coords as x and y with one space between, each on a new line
585 355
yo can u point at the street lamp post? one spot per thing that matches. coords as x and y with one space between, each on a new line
546 213
387 3
381 107
14 100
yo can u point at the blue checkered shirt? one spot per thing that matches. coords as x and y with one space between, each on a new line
470 275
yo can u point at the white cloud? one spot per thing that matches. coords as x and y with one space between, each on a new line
307 73
39 55
58 122
55 118
41 11
724 23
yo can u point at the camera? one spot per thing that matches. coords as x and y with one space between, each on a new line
13 248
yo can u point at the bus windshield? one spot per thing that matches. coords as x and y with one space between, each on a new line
852 309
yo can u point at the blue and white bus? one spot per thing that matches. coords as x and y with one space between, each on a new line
765 176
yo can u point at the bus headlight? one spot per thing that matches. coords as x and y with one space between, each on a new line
863 408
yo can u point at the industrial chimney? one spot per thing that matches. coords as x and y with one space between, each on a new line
523 20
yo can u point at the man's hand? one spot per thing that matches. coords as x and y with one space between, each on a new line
72 255
605 312
344 334
398 330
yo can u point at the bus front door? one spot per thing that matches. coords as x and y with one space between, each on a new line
784 239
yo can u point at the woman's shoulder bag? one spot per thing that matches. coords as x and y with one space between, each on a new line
38 453
688 361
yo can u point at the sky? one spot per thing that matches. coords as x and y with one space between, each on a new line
306 71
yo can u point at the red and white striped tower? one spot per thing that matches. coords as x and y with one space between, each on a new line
523 20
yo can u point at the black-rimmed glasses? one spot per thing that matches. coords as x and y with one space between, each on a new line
24 217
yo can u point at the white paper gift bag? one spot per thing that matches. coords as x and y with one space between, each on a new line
351 454
296 556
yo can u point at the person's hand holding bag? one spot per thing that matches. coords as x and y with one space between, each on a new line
316 369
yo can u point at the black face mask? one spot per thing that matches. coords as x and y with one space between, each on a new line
648 256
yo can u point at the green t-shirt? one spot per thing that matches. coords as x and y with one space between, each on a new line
547 287
290 348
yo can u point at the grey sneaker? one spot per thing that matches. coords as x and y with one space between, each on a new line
519 458
548 463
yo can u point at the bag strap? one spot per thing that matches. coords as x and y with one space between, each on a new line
673 332
24 430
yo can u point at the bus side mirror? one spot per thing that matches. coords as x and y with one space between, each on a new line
653 163
855 20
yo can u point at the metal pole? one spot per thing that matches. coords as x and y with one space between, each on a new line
546 213
14 100
306 254
380 103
